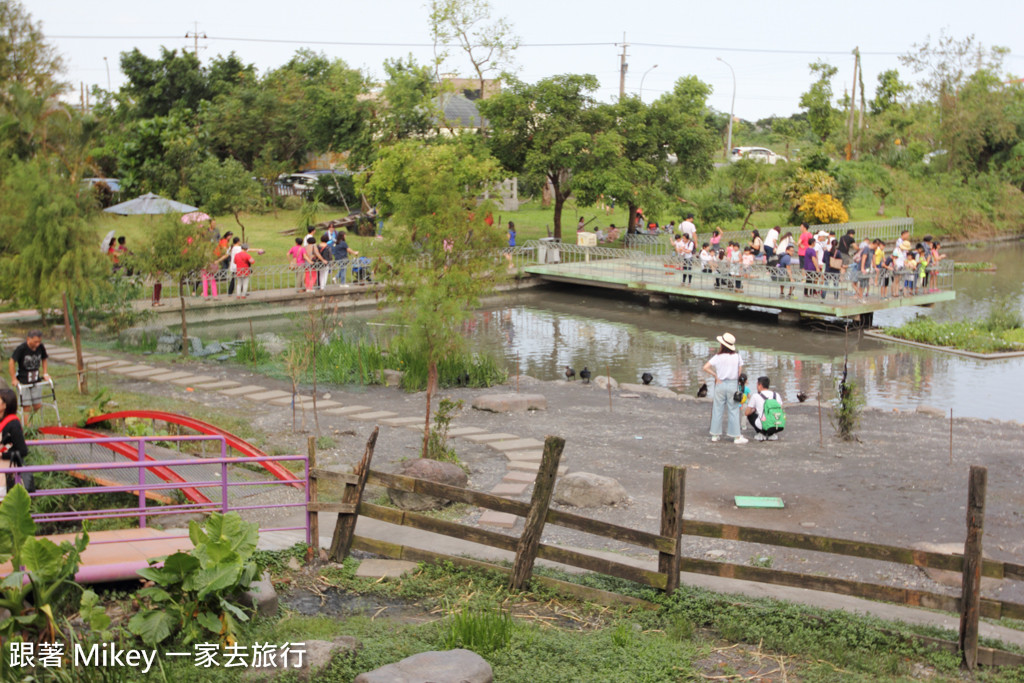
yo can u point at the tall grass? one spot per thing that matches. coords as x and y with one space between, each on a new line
480 630
999 331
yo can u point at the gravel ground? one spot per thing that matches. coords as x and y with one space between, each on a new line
897 485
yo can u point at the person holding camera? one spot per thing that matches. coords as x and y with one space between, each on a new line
726 367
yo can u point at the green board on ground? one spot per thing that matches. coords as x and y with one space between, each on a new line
759 502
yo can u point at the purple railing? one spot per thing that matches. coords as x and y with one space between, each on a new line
143 511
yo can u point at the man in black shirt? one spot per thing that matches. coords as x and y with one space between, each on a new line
28 370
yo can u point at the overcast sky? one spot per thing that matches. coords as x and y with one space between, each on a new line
768 43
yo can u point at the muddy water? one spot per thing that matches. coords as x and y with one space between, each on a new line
540 331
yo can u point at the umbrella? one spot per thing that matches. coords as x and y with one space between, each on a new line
107 241
195 217
149 203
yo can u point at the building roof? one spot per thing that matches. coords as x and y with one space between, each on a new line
459 112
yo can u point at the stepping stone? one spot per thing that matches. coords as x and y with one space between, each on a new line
525 456
348 410
505 520
146 374
105 365
287 401
168 376
376 415
516 477
484 438
515 444
465 431
240 391
527 466
384 569
216 385
191 380
89 358
509 489
402 421
324 404
266 396
125 369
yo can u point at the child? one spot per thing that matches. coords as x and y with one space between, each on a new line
909 272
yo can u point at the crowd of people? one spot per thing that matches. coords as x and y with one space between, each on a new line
318 262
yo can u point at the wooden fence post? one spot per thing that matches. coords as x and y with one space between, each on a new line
313 551
345 529
971 584
673 489
526 549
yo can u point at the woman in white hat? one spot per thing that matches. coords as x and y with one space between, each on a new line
726 367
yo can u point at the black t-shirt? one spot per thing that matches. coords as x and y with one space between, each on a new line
30 363
13 439
340 250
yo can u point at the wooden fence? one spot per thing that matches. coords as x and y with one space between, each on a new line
668 544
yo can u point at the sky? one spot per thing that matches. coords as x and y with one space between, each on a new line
768 43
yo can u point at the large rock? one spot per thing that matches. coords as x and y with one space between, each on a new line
135 336
261 597
510 402
168 344
451 666
602 382
650 390
586 490
931 411
273 344
431 470
392 378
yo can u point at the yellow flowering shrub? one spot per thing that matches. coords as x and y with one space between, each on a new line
822 209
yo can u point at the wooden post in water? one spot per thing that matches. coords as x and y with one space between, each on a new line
313 551
345 529
970 600
526 549
673 489
950 436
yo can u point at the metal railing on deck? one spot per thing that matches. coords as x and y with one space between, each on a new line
106 469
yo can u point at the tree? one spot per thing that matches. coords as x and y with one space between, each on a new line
178 250
754 186
488 46
171 81
25 57
226 187
441 258
823 118
888 92
48 247
553 133
410 102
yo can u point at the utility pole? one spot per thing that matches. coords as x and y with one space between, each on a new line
623 67
732 107
195 35
852 113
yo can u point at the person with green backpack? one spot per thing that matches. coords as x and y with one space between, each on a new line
765 413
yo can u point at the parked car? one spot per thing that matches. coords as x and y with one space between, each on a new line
762 154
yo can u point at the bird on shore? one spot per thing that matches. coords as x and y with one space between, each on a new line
569 373
801 396
703 391
463 380
646 378
585 375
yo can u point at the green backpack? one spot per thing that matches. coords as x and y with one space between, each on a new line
772 414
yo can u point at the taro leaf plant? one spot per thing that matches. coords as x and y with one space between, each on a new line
44 571
194 592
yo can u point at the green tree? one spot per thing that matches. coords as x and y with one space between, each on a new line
441 258
409 104
157 86
178 250
48 247
889 91
823 118
225 187
754 186
25 57
552 132
488 45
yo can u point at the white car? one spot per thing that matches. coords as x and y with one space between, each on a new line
762 154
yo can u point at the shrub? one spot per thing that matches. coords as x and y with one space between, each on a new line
822 209
846 413
437 443
482 631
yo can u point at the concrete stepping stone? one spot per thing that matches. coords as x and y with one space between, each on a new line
527 456
287 401
505 520
533 467
512 489
125 369
465 431
516 477
216 385
348 410
515 444
241 391
402 421
105 365
376 415
325 403
169 376
484 438
89 358
266 396
147 373
384 569
191 380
